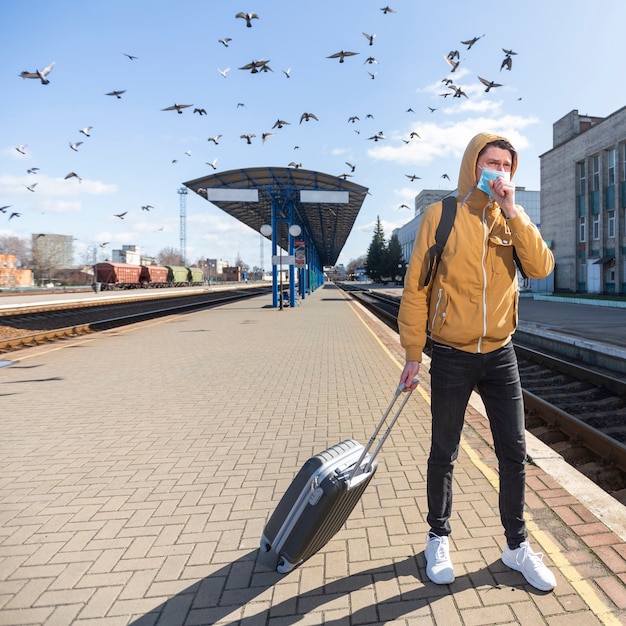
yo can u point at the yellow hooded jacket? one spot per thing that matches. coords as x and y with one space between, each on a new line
471 302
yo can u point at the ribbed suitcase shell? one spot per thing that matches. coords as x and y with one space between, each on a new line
323 494
317 504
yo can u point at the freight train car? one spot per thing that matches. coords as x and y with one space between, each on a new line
179 276
116 275
153 276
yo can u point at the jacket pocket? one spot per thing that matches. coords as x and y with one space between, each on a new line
500 252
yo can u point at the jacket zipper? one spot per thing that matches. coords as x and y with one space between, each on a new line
484 255
439 293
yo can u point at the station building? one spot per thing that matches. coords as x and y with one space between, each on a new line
583 202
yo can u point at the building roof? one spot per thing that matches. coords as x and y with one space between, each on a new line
327 217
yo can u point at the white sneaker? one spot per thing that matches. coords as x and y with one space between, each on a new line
531 565
438 564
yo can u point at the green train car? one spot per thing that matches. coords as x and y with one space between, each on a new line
178 276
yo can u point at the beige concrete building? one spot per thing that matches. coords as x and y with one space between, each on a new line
583 202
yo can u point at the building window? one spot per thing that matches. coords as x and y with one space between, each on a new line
583 272
596 227
610 224
582 229
582 178
611 157
595 173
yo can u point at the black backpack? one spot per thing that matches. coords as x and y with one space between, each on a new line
448 213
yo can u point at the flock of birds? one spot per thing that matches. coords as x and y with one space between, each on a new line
453 60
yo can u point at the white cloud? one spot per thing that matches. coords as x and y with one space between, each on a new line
450 139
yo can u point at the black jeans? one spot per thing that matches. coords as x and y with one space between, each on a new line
454 374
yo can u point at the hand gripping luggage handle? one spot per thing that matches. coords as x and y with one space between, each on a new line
382 421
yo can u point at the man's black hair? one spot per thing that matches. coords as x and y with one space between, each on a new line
499 143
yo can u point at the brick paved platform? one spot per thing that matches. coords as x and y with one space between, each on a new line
138 468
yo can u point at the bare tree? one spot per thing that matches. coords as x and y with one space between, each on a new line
10 244
170 256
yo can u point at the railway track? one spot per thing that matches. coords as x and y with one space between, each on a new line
34 325
578 411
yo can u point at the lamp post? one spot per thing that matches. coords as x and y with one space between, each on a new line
267 230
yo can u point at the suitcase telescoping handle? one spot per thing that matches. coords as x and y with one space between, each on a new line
372 439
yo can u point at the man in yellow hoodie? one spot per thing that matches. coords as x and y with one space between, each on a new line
469 307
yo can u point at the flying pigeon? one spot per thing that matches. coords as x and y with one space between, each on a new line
452 63
120 215
105 244
177 107
147 207
213 164
294 164
507 62
508 52
130 56
412 177
200 112
372 75
388 9
247 137
31 187
248 17
22 148
341 55
431 109
352 167
470 42
86 130
14 214
377 137
74 146
458 91
32 170
353 118
370 60
489 84
116 93
41 74
445 176
307 116
73 175
225 41
287 72
404 206
254 66
215 139
280 123
3 209
370 38
223 72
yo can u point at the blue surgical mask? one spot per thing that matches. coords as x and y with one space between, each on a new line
487 175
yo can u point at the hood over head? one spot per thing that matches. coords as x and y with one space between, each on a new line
467 173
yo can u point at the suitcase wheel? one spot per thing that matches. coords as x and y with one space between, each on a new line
284 566
266 546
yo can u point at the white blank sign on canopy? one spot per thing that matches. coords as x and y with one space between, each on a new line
232 195
324 197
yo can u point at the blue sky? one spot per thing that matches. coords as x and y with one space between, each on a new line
565 60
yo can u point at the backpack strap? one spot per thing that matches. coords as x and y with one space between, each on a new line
448 213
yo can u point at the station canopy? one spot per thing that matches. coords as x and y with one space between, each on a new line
324 206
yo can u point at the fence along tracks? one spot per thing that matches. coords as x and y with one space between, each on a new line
578 411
